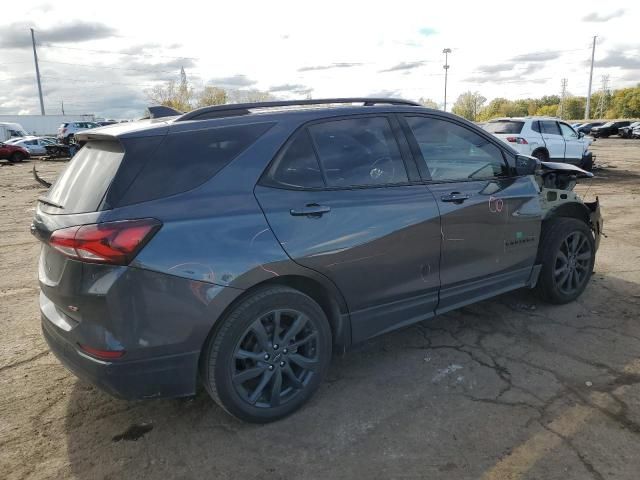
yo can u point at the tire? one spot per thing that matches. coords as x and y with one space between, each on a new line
541 155
562 285
242 366
587 163
17 157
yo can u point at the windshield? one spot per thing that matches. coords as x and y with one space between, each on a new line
504 126
608 124
81 187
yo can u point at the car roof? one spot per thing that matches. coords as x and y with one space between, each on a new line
255 113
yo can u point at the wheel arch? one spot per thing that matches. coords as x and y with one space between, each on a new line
569 209
542 149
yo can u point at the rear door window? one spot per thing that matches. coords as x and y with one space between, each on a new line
81 187
549 127
297 166
358 152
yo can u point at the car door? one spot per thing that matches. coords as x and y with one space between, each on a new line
344 200
490 218
553 139
574 145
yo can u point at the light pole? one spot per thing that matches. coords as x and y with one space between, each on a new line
446 52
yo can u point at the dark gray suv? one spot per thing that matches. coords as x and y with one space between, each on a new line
236 246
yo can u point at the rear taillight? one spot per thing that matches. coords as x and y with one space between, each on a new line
102 354
518 140
115 243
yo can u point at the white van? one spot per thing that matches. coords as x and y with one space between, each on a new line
11 130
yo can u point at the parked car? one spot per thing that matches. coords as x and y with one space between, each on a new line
575 126
13 153
625 132
609 128
543 138
585 128
67 131
35 145
104 123
11 130
635 133
239 245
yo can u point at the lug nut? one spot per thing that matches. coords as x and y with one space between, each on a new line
282 364
275 346
266 356
285 351
270 367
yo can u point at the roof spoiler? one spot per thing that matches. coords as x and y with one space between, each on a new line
160 111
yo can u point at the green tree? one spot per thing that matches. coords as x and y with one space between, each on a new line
211 96
496 108
574 108
468 105
626 103
547 110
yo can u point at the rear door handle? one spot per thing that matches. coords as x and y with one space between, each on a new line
310 210
455 197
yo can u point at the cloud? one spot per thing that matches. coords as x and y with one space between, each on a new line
234 81
536 57
597 17
17 35
616 59
427 31
291 87
140 48
327 67
404 66
498 67
385 94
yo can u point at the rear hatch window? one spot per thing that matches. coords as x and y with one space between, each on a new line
504 127
82 186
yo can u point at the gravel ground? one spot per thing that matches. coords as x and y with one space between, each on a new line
505 389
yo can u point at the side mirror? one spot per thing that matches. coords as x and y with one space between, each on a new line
580 134
526 165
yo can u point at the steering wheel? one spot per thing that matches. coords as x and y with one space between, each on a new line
382 170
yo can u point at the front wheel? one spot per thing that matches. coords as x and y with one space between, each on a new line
17 157
567 253
268 356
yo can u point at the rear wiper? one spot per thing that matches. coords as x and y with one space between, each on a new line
49 202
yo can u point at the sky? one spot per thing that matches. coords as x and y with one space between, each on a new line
102 57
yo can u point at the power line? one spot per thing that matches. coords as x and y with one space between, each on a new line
109 52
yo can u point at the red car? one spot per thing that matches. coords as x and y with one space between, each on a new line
13 153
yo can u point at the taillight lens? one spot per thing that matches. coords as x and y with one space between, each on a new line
102 354
114 243
518 140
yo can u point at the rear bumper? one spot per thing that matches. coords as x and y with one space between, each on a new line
167 376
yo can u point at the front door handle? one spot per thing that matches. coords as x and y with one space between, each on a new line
310 210
455 197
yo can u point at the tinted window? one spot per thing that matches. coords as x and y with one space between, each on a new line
83 184
504 126
567 131
549 127
297 165
188 159
453 152
535 126
359 151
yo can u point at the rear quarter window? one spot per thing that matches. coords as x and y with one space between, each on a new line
186 160
504 126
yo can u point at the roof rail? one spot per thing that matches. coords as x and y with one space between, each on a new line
229 110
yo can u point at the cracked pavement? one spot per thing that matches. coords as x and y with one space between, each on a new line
508 388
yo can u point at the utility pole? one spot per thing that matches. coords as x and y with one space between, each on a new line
604 94
563 95
35 58
593 54
63 106
446 52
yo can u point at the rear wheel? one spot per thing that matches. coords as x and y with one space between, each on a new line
268 356
17 157
541 155
567 253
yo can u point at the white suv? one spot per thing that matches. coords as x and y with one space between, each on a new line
66 131
544 138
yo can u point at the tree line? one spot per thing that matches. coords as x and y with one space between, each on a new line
621 103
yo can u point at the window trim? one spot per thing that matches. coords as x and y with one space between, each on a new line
265 181
421 163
